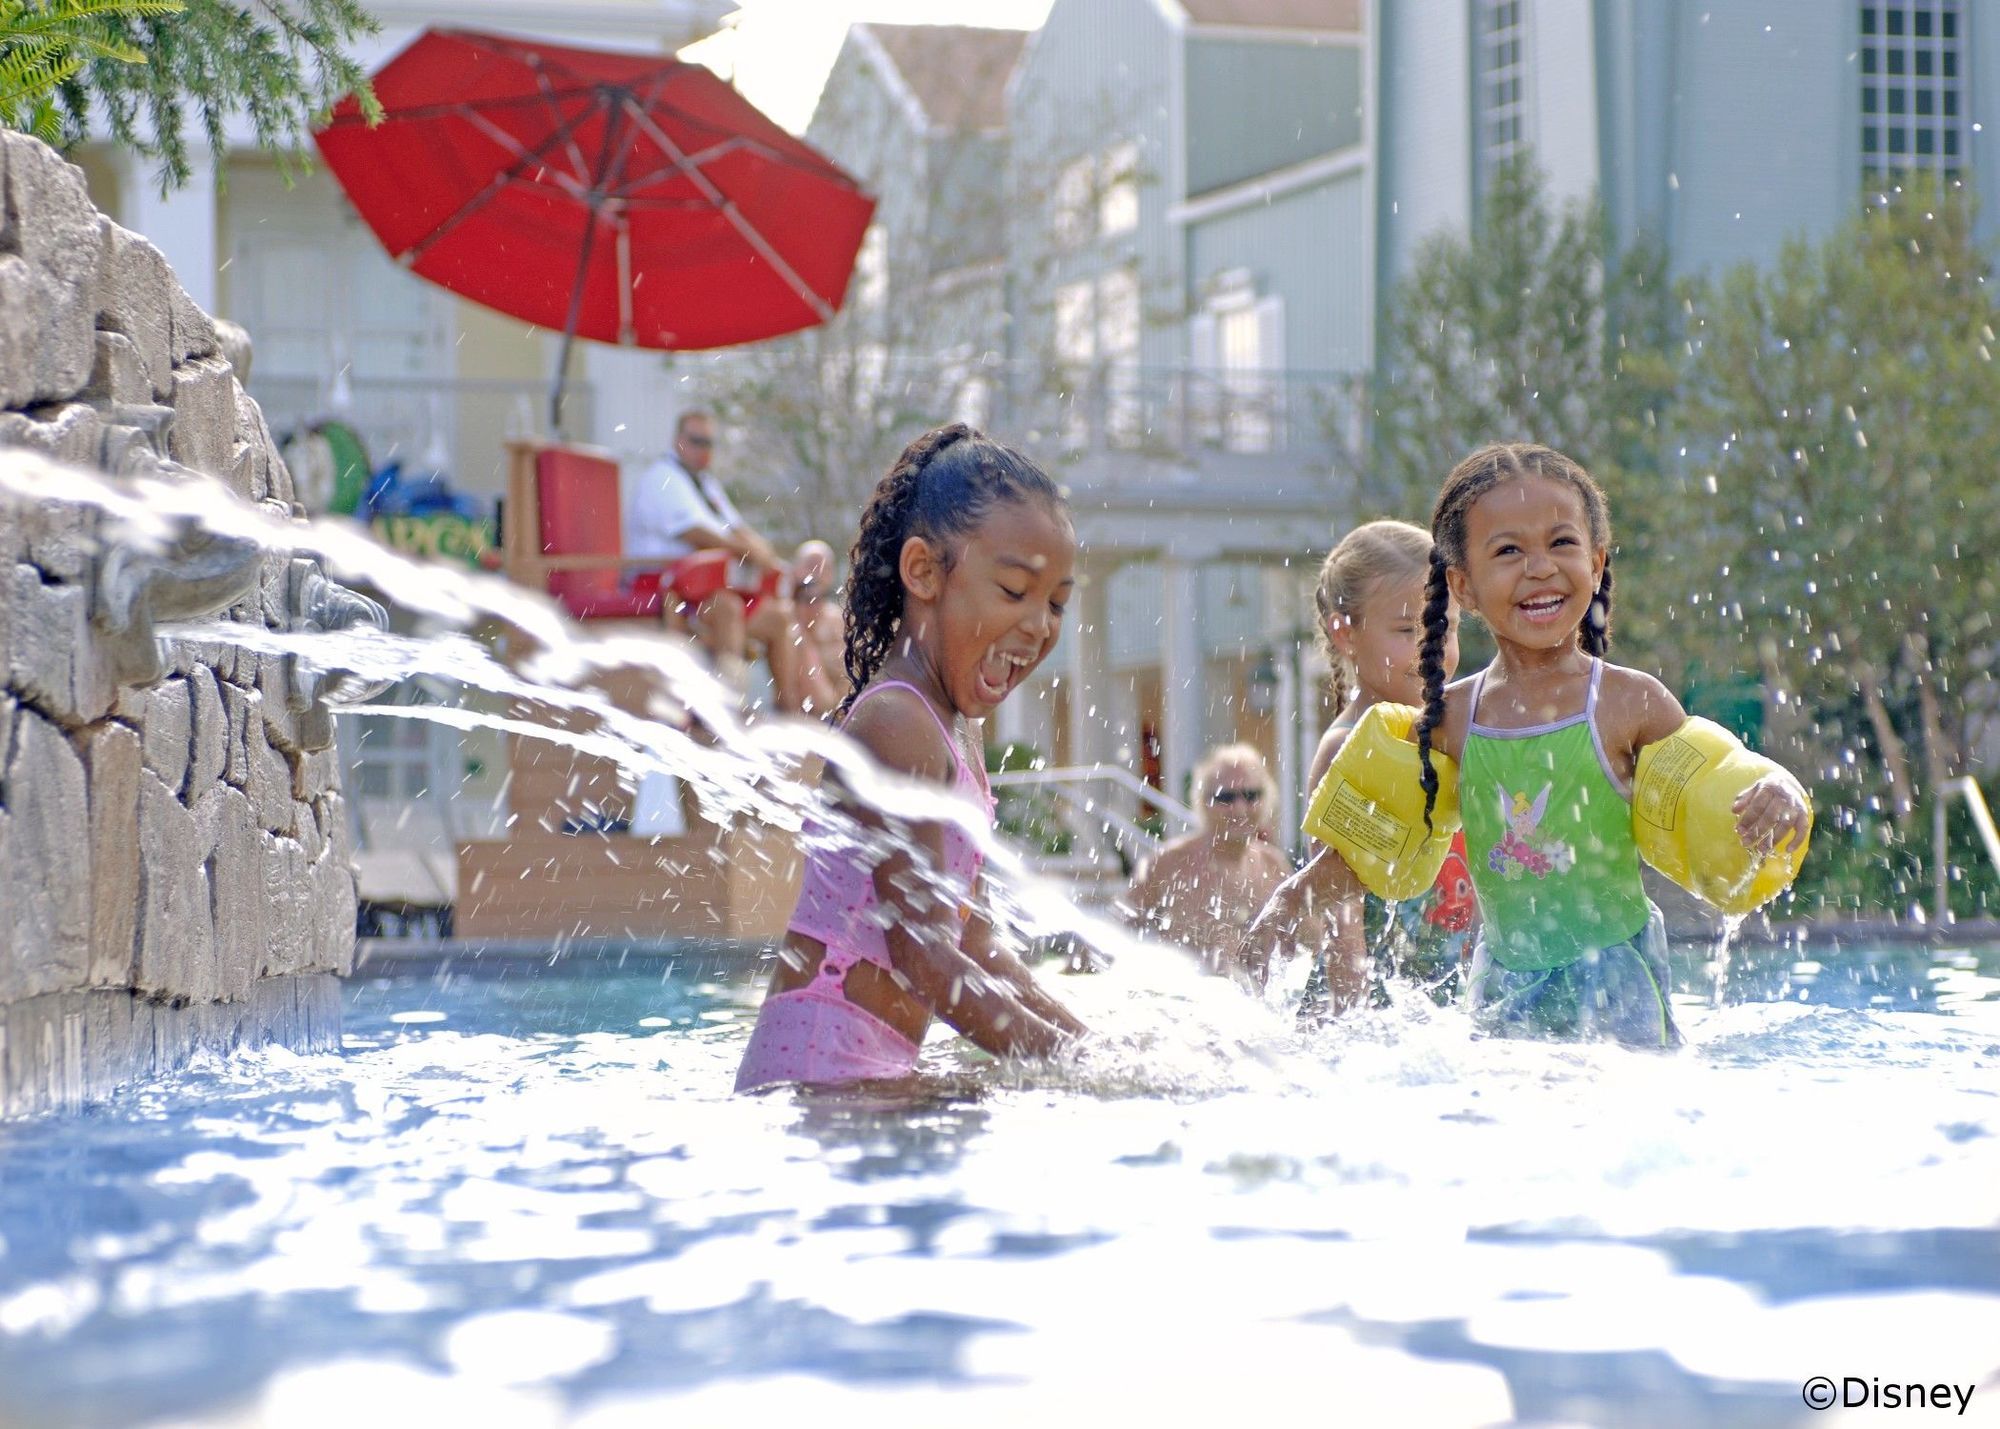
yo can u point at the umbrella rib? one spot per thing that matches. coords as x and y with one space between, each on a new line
609 161
727 208
814 164
700 157
548 92
665 205
528 156
449 109
485 196
616 127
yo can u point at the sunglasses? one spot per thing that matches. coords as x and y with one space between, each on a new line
1231 796
699 441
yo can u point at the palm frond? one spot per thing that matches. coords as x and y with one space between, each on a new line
31 72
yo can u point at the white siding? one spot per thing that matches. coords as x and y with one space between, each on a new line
1765 129
1426 119
1309 249
1562 78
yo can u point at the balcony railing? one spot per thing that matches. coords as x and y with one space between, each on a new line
1053 409
1179 412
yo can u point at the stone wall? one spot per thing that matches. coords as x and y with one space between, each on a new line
174 854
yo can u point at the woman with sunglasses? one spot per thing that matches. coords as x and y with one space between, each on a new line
1202 890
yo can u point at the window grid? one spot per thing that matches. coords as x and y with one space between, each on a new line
1912 87
1502 95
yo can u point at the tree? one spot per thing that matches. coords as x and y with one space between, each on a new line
815 419
1529 328
141 68
1844 413
43 45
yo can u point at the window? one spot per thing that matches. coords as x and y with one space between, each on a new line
1097 331
1236 389
1910 72
1076 338
1097 195
1075 185
871 268
1118 314
1502 84
1118 199
1118 323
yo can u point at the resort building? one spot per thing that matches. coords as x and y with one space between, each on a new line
1180 303
1721 129
1149 242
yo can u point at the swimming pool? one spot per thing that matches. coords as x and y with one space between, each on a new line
529 1199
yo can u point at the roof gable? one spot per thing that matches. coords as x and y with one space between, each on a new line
957 74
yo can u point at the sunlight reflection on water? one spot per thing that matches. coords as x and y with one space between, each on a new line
542 1206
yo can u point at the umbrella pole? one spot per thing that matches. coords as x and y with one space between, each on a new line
569 326
562 381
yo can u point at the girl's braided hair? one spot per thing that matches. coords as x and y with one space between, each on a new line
940 488
1471 479
1365 555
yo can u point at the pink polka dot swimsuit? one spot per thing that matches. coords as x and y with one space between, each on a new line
814 1034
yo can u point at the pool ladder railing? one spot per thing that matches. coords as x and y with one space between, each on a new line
1101 806
1967 788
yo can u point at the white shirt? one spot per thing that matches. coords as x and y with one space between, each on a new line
664 502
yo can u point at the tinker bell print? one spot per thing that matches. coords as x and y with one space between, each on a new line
1522 848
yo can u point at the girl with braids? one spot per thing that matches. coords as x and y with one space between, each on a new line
964 562
1369 602
1547 742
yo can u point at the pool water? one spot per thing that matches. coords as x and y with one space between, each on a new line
531 1200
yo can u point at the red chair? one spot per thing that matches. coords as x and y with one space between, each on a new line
563 534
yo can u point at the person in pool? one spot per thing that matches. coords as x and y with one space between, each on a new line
821 635
1369 604
1544 748
1202 890
958 581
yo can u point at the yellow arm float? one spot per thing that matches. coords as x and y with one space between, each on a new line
1685 827
1370 806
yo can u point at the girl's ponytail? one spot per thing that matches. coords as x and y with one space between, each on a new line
971 473
1596 633
1430 663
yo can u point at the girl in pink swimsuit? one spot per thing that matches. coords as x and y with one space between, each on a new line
965 559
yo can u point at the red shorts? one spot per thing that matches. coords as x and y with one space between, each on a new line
693 579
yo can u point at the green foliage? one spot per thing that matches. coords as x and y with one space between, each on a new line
1799 460
1029 816
1844 407
44 43
1529 329
143 70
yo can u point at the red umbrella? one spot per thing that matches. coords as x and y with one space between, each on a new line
620 197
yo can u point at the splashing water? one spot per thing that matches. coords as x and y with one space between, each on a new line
525 1194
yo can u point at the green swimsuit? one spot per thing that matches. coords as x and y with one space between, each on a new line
1569 946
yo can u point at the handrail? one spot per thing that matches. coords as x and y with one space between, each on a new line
1101 829
1967 788
1104 814
1114 774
